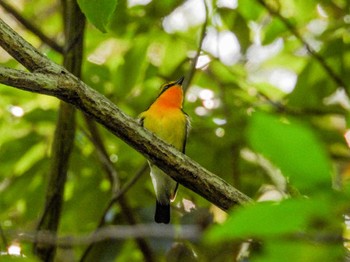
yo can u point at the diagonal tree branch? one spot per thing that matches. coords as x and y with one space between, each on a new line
24 53
65 86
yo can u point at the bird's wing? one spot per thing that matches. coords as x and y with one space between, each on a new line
187 130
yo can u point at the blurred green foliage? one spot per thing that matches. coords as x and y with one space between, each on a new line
273 115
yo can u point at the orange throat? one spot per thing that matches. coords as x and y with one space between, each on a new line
171 98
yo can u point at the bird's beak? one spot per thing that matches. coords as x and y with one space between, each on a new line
179 81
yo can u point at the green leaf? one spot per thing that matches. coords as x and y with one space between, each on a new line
242 31
14 258
98 12
337 54
13 150
312 87
133 68
294 148
268 219
301 251
250 10
174 54
302 11
272 31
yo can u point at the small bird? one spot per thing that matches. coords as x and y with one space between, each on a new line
166 119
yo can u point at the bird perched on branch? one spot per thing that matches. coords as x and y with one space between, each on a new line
166 119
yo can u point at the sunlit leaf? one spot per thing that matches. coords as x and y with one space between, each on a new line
16 258
301 10
133 67
273 30
293 147
301 251
98 12
267 219
250 10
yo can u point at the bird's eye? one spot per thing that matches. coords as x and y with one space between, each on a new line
166 86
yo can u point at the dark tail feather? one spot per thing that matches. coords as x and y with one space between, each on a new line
162 214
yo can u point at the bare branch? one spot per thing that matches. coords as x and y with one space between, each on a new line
67 87
192 232
32 82
24 52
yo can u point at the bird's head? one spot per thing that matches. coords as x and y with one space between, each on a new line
171 94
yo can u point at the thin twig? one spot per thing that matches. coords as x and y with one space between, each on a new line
192 70
118 194
31 27
106 163
189 232
3 237
110 169
121 192
130 182
332 74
